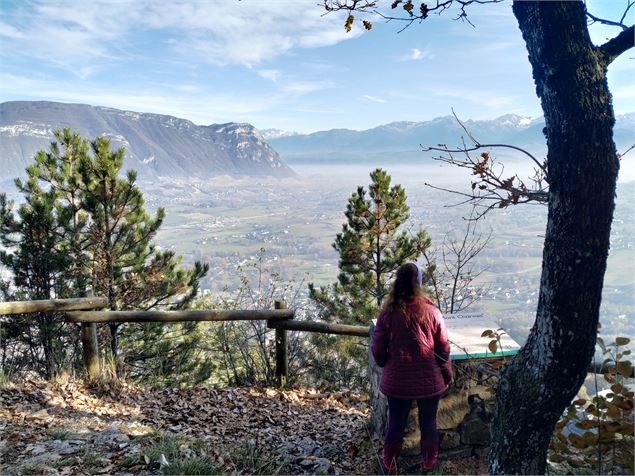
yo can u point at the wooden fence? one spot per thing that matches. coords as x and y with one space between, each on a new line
85 311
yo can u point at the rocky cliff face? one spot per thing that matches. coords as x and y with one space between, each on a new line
156 145
249 148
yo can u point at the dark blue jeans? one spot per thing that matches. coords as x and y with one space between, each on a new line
398 410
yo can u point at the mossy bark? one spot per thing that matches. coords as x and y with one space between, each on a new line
534 389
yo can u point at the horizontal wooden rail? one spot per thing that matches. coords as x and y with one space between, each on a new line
52 305
321 327
178 316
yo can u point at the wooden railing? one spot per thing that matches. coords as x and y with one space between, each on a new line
52 305
177 316
83 311
90 344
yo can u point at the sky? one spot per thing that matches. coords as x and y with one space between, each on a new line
277 63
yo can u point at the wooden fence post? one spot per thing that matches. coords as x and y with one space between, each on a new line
90 348
282 362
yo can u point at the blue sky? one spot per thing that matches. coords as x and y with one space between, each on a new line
276 63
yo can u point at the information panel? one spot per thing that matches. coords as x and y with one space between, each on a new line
464 333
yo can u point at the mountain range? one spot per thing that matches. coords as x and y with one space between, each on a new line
156 145
403 141
165 146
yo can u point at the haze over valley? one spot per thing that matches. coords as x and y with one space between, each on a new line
206 205
235 195
227 222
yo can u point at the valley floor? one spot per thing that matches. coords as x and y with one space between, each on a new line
72 429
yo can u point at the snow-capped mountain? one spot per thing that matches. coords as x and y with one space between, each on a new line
402 141
156 145
276 133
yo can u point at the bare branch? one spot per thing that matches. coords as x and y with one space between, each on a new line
469 199
488 146
478 145
618 45
455 269
622 154
628 7
493 188
593 19
410 13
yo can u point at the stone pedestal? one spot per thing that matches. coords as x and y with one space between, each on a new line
378 402
462 419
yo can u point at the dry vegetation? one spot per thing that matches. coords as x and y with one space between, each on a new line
70 428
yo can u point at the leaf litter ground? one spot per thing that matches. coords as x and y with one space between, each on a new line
72 429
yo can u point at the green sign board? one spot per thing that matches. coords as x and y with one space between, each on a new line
465 331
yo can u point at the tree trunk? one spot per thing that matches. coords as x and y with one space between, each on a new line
47 346
114 344
538 384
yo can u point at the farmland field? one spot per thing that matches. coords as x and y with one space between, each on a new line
228 222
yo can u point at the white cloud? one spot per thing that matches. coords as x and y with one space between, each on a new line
85 72
415 54
219 31
270 74
186 88
183 101
305 87
198 107
9 31
492 102
374 99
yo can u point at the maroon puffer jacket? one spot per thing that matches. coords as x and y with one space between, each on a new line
416 361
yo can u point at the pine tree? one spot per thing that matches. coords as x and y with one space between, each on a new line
38 265
83 226
125 266
371 246
59 170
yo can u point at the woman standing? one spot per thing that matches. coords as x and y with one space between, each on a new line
411 343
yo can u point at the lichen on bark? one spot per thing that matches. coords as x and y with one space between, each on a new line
583 165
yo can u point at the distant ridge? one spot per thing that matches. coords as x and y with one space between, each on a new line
276 133
399 142
156 145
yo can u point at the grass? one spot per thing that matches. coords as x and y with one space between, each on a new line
248 458
157 444
45 466
132 459
5 381
90 458
562 469
189 456
35 468
195 466
170 447
60 434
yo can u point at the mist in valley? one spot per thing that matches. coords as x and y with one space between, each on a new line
287 226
